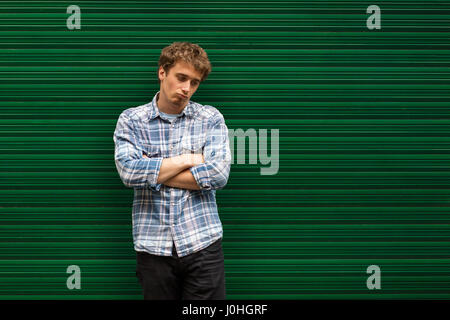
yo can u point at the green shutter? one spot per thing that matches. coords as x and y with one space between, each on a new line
363 118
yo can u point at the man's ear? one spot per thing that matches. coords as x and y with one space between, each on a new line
161 73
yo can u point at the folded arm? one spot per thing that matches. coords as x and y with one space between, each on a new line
133 169
205 171
211 171
177 179
183 180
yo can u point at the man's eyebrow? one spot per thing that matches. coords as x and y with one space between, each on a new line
182 74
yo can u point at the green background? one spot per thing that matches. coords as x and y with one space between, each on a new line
364 124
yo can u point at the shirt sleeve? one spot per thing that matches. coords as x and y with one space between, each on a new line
213 174
135 171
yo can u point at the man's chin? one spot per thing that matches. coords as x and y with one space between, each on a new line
179 100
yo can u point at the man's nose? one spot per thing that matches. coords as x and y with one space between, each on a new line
186 86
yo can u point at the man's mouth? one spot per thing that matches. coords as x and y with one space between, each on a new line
182 96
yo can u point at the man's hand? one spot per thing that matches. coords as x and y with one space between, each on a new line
170 174
191 160
194 159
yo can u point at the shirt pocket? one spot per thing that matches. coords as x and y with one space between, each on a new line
151 150
193 144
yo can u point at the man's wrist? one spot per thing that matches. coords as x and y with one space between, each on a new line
185 161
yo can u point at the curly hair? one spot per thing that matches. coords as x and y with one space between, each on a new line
188 52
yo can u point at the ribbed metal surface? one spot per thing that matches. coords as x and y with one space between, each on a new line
363 117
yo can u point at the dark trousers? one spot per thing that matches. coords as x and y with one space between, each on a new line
198 276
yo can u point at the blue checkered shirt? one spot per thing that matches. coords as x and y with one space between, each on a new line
164 215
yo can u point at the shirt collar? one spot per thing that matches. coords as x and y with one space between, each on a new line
189 110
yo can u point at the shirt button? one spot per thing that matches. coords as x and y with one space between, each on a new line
172 204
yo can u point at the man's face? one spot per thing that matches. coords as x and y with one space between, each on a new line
179 84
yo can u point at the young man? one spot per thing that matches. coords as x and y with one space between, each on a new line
175 153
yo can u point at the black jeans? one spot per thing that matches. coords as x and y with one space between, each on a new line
197 276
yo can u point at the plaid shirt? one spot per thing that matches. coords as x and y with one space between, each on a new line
162 214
